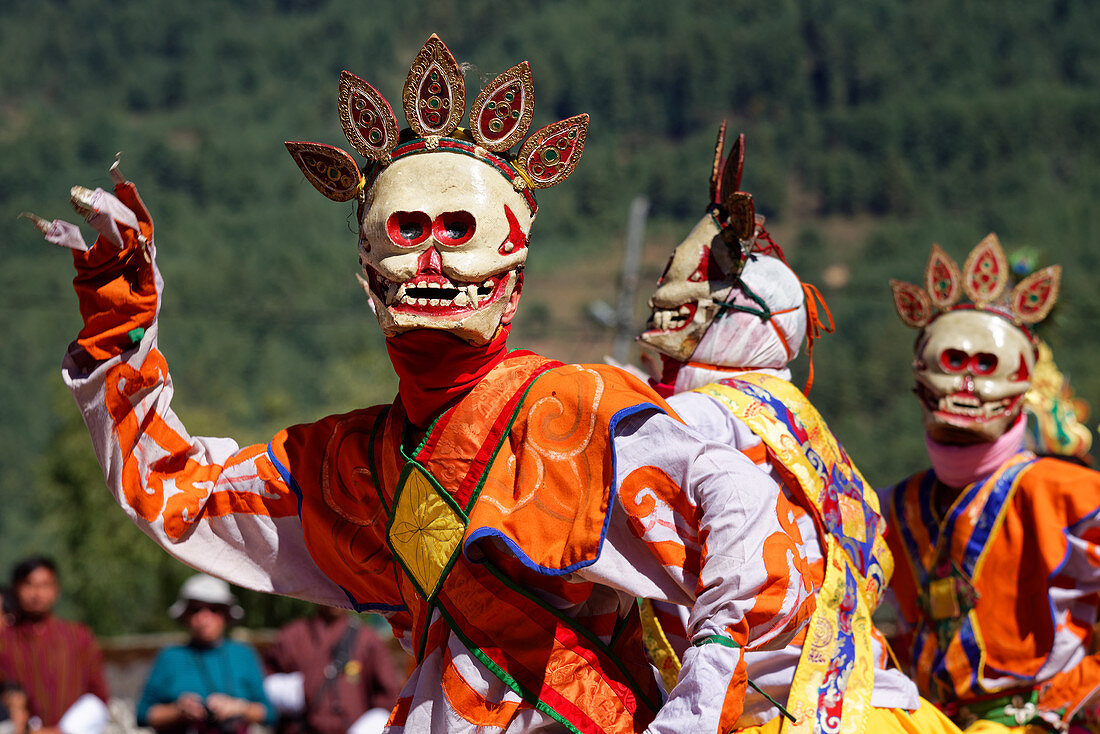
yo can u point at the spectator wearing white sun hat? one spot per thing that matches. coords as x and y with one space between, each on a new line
211 684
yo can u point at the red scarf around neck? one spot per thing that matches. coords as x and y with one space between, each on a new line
436 368
666 386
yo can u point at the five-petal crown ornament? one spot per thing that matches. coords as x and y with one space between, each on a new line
983 278
434 103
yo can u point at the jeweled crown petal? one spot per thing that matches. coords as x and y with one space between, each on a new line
501 115
367 118
984 278
434 97
434 102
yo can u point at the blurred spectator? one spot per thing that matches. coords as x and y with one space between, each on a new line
7 607
211 684
14 716
329 674
57 664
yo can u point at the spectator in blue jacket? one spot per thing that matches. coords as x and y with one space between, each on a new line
211 684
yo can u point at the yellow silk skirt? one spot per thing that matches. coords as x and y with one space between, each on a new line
926 720
992 727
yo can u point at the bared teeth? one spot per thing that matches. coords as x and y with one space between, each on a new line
424 292
972 407
667 319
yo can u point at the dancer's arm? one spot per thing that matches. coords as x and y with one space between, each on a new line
209 502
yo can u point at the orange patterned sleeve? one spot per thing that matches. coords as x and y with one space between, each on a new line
211 503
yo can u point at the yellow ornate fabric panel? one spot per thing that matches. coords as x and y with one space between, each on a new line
426 530
657 646
831 690
802 443
832 686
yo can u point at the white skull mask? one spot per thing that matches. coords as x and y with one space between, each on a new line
699 276
972 369
443 242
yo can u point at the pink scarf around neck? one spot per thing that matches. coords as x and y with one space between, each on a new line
958 466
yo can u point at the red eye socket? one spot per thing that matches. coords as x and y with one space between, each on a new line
454 228
954 360
983 363
700 273
408 228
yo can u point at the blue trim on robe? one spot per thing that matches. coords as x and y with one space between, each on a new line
517 551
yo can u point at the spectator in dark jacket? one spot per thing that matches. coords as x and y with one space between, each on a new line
331 674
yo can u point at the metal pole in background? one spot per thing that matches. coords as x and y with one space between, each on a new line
632 257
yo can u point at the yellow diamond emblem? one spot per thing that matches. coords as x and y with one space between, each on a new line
426 529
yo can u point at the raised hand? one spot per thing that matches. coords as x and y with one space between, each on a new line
116 283
121 220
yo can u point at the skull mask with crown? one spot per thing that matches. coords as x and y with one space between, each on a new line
444 212
973 362
727 300
704 267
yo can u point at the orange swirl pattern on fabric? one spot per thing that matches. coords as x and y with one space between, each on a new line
815 466
179 489
549 489
834 677
539 464
783 560
652 500
343 518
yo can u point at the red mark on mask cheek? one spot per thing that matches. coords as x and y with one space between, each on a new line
1022 373
702 270
516 239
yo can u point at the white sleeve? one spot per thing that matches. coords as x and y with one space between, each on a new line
697 523
712 419
373 721
87 715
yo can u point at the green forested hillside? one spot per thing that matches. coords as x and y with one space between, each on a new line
874 129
